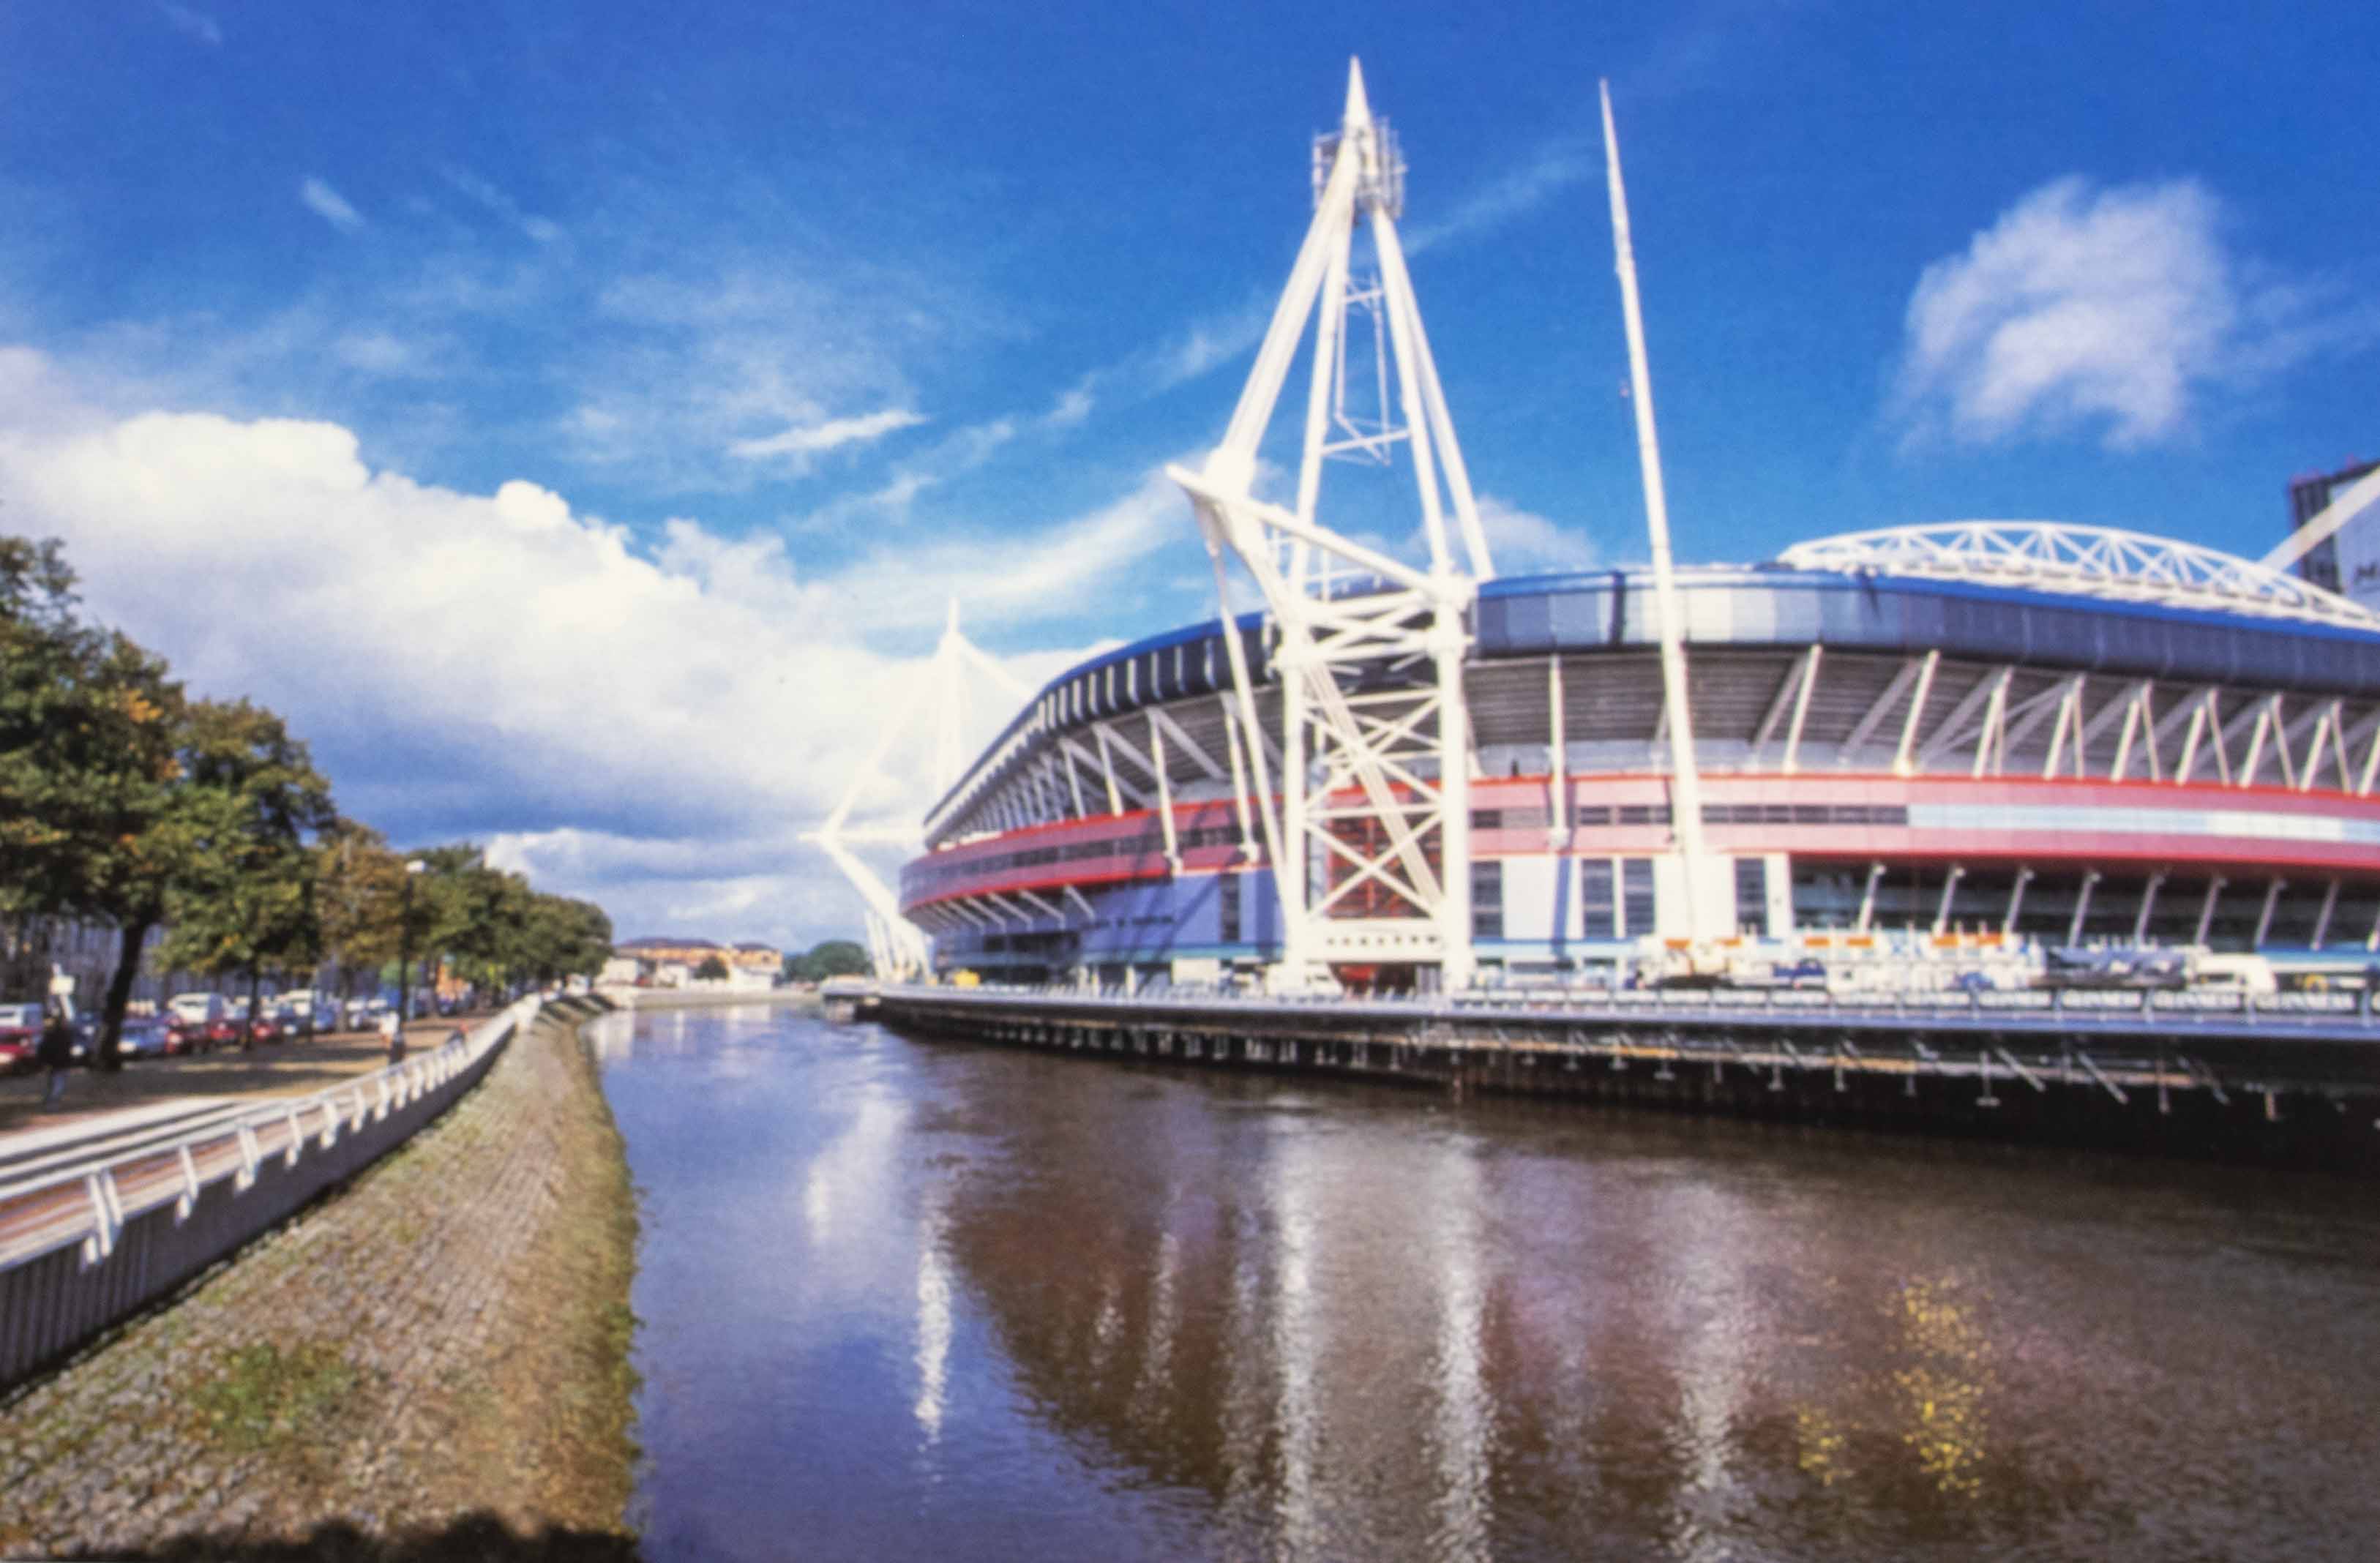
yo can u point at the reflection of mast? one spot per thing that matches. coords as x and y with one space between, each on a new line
1464 1409
1700 1232
933 1315
1298 1319
899 948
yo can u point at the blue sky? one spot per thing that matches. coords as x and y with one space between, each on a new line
574 417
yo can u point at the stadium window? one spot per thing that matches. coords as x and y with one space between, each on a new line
1227 907
1752 896
1487 899
1636 910
1595 900
1487 820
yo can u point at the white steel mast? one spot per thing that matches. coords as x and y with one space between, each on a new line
899 948
1374 785
1685 801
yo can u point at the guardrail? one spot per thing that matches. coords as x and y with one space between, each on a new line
100 1230
2083 1009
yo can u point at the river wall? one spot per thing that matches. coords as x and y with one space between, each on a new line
2273 1101
432 1360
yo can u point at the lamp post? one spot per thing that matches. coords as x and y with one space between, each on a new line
405 947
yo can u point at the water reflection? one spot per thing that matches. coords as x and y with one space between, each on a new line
1023 1306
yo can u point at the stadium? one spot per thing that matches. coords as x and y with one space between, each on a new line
1948 749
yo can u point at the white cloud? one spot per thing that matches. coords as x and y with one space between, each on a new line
1072 407
329 205
544 230
2085 308
1091 561
648 724
1522 540
383 353
1550 170
190 23
683 369
812 439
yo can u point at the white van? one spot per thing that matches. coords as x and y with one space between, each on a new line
2233 974
199 1009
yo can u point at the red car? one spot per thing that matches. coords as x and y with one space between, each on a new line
20 1035
186 1037
223 1033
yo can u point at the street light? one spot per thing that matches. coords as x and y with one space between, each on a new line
405 947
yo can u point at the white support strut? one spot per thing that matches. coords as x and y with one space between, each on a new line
1371 835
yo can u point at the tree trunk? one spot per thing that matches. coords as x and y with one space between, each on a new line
247 1036
119 992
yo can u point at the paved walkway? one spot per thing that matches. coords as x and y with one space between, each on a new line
273 1069
446 1337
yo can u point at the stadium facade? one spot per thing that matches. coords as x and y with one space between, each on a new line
1976 735
1879 753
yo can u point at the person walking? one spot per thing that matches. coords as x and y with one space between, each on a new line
392 1030
55 1053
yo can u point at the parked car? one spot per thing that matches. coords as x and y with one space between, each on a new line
184 1036
224 1033
296 1022
199 1009
361 1013
20 1034
144 1037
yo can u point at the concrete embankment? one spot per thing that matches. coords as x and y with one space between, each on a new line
432 1360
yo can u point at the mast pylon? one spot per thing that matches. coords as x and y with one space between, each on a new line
1370 837
899 948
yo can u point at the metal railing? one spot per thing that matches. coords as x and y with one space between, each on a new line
97 1227
2087 1008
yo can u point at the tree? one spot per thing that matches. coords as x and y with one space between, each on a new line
713 969
358 895
89 772
564 937
834 957
250 800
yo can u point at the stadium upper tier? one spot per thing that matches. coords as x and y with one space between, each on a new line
1808 670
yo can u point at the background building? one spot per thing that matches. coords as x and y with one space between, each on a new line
2348 562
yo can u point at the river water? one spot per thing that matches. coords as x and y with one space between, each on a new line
927 1300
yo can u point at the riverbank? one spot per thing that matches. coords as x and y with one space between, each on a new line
706 997
433 1358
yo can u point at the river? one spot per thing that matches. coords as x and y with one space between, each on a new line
906 1299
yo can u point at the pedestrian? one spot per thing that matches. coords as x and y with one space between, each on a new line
55 1053
392 1030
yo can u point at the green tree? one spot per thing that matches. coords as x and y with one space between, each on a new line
251 800
90 775
713 969
564 937
359 891
834 957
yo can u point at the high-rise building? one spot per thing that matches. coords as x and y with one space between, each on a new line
2308 496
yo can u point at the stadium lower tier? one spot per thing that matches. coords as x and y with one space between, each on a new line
1573 884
